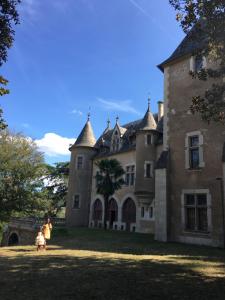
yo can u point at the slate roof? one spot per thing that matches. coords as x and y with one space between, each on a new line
86 137
162 162
190 44
149 122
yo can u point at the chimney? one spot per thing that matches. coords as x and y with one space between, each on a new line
160 110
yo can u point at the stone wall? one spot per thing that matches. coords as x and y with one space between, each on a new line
179 122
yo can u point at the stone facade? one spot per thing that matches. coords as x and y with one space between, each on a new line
136 146
180 198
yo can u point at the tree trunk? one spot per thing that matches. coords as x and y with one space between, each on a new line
105 212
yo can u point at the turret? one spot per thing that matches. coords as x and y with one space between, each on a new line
145 159
79 189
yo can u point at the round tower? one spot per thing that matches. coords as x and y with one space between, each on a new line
80 177
145 159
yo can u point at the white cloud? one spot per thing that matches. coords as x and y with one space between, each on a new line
53 144
76 112
118 105
25 125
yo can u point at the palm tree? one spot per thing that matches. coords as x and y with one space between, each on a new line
108 180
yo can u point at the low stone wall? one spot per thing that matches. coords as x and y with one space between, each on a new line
23 231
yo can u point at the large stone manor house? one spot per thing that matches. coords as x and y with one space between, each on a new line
174 166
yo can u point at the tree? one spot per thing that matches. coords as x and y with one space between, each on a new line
56 187
21 167
108 180
205 20
8 17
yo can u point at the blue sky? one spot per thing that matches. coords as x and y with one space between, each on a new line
70 55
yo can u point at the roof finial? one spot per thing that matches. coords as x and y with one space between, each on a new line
117 120
89 113
149 102
108 123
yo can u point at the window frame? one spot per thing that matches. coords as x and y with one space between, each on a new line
147 136
193 63
79 202
151 169
188 149
130 175
196 229
77 162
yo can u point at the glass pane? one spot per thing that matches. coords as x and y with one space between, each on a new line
189 199
127 179
190 218
148 170
198 63
194 158
132 179
149 139
201 199
202 219
194 141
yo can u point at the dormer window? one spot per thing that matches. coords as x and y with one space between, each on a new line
116 141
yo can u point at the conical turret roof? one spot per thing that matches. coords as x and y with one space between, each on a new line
148 122
86 137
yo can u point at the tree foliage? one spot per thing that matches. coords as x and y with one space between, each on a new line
8 17
204 19
56 187
108 180
21 167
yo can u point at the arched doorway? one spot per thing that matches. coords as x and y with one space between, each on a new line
129 213
112 212
13 239
97 212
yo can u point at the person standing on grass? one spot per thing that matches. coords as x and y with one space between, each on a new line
46 229
40 241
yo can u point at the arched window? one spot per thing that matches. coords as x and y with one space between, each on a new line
97 210
129 212
112 212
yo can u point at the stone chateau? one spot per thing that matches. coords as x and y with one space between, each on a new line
174 166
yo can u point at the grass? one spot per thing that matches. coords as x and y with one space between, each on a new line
95 264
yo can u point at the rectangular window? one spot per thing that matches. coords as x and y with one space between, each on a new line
76 201
194 152
130 175
79 162
196 212
151 212
148 139
148 169
142 212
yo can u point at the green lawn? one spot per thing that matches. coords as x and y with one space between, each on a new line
96 264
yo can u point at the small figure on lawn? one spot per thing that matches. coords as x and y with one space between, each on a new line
46 229
40 241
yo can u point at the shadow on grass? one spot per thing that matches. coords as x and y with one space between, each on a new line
131 243
72 277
